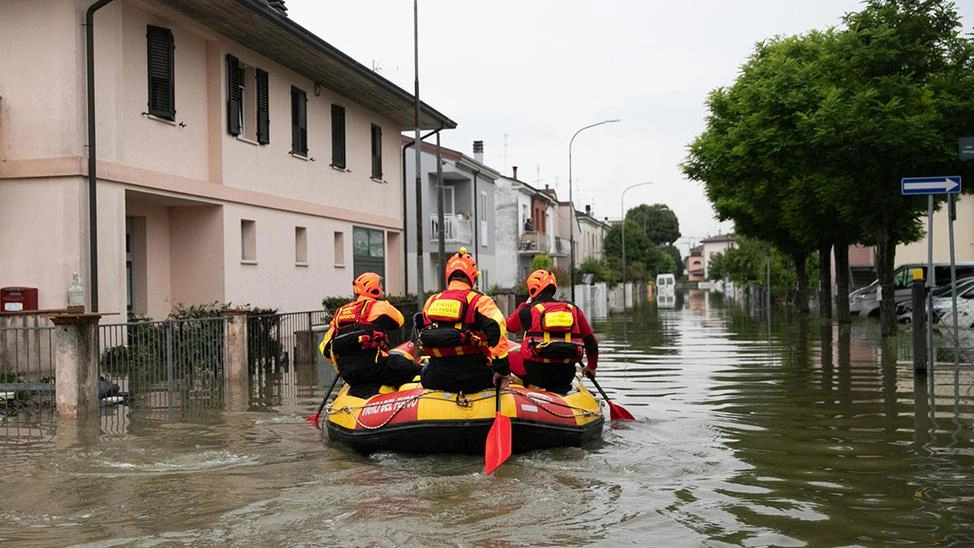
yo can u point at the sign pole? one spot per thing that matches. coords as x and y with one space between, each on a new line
929 296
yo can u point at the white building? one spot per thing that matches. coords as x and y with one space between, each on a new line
469 220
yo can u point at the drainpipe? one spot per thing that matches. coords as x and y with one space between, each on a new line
92 157
476 224
405 196
440 221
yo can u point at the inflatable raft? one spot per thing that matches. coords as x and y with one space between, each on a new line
416 420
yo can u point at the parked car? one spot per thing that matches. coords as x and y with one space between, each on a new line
865 301
965 311
942 300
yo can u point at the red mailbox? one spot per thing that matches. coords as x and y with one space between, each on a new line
13 299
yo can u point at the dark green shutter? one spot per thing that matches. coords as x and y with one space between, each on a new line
159 47
299 122
376 152
338 136
263 109
234 94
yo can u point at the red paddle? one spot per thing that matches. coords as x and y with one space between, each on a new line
616 411
498 447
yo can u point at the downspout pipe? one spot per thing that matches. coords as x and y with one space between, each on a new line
92 156
405 209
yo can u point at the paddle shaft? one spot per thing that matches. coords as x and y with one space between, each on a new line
616 411
324 400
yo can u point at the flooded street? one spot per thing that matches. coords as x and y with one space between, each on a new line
749 433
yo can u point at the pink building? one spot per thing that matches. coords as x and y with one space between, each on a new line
238 157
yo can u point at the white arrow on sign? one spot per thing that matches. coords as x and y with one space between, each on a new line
930 185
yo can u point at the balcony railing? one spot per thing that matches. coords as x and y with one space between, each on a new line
562 247
533 242
456 229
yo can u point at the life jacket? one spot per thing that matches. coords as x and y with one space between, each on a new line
451 329
553 336
353 332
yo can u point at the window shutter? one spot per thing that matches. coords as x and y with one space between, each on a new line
234 94
299 122
159 46
263 109
376 152
338 136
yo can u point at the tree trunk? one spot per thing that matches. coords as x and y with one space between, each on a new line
885 258
825 280
801 298
842 282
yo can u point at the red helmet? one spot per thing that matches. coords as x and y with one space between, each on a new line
538 280
368 284
463 263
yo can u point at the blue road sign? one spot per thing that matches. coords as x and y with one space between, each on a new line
930 185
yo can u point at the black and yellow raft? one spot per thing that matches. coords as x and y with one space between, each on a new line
416 420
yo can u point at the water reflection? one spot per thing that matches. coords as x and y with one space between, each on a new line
791 431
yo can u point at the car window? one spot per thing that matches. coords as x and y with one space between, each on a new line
903 278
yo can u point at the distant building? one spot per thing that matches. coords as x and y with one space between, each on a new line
469 218
526 228
695 265
712 246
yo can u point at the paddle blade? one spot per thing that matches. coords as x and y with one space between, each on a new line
619 413
314 419
498 447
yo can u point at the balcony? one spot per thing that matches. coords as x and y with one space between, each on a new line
563 247
457 229
533 243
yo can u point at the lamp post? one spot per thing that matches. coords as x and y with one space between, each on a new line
622 210
571 203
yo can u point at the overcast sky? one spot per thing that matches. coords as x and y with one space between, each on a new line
524 75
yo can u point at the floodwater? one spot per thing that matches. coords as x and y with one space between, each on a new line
749 433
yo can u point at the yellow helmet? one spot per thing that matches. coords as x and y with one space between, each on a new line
368 284
463 263
538 280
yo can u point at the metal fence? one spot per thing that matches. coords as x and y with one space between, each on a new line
275 344
168 364
26 369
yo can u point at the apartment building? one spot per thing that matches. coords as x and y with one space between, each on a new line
208 152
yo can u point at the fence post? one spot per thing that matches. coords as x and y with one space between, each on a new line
76 364
235 371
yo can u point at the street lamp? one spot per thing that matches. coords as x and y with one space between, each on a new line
571 203
622 209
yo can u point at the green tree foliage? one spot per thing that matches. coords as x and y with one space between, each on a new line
674 254
810 143
658 222
748 262
541 262
599 270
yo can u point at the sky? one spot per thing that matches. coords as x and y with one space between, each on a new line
525 75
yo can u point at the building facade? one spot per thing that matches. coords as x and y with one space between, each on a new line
237 157
469 221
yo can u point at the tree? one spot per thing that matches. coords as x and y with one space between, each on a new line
657 221
808 147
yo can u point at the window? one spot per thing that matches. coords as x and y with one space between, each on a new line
376 152
299 122
339 249
301 246
248 241
338 136
484 233
159 45
247 114
368 250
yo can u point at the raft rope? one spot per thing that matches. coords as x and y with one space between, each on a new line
462 400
